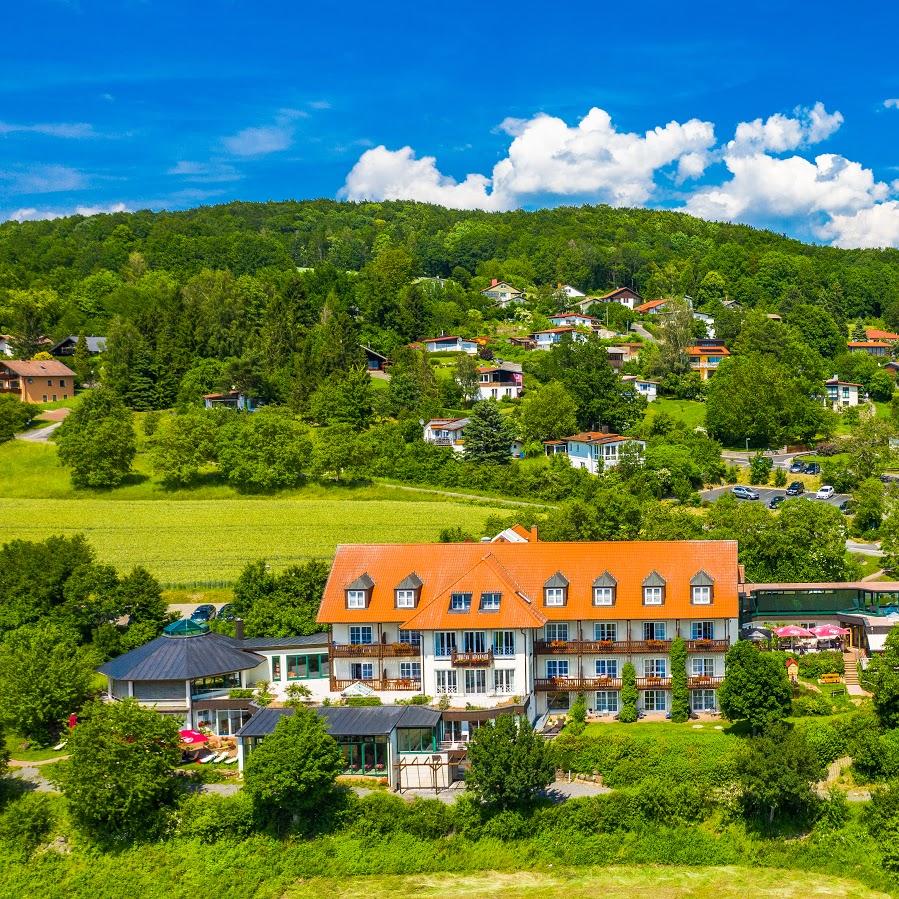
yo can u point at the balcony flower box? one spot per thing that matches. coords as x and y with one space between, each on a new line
655 644
606 644
655 680
558 644
703 643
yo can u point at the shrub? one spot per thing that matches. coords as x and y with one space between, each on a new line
507 825
209 818
378 815
826 739
780 478
428 819
628 695
815 664
876 755
27 821
808 704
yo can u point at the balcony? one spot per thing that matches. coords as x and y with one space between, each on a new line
371 650
704 681
708 645
576 684
387 684
471 659
603 647
653 683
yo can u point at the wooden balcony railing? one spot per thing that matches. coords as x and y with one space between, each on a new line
471 659
378 683
601 647
710 683
371 650
653 683
708 645
576 684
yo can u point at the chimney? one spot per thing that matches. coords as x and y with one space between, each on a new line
494 282
534 537
238 628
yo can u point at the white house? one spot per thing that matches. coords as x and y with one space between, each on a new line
446 432
500 379
547 339
6 345
708 321
573 320
841 394
623 295
643 386
571 292
450 344
502 293
593 450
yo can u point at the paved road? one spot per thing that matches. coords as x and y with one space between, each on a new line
865 549
39 435
765 494
637 328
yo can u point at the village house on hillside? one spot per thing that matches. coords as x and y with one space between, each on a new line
620 353
593 450
37 381
643 386
705 357
450 344
500 379
502 293
623 295
652 307
871 347
446 432
549 337
876 334
66 346
230 399
841 394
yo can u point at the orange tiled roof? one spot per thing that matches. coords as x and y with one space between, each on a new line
596 437
868 344
519 571
708 351
39 368
650 304
877 334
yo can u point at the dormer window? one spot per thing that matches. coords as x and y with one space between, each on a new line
460 602
604 588
701 589
654 590
406 592
555 590
358 592
490 602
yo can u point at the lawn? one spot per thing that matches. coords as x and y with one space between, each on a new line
15 746
690 412
573 883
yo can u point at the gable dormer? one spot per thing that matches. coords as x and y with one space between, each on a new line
358 592
605 588
653 589
407 592
555 590
702 588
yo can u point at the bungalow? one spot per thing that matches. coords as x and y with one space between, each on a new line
503 293
524 342
499 380
446 432
231 399
547 339
593 450
66 346
374 361
623 295
878 335
643 386
450 344
841 394
706 356
871 347
37 381
652 307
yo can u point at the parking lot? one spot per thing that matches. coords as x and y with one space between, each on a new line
766 493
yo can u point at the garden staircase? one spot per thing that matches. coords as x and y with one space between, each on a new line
851 662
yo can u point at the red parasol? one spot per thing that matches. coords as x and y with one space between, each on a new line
829 630
192 737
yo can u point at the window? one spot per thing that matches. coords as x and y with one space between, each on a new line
412 638
474 641
415 739
361 671
702 700
652 596
200 685
405 599
49 382
702 667
276 668
504 680
603 596
655 701
297 669
558 702
460 602
475 680
702 630
355 599
504 643
446 681
607 667
62 382
554 596
655 667
605 630
490 602
607 701
410 670
556 630
360 634
54 397
653 630
702 595
557 668
444 644
302 667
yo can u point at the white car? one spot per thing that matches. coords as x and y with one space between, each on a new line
825 492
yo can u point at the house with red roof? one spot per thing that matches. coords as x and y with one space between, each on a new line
623 295
871 347
706 356
549 337
877 334
37 380
652 307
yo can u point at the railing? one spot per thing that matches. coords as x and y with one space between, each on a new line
471 659
708 645
700 681
576 684
653 683
600 647
378 683
371 650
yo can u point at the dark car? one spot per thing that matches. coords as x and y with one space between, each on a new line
741 492
205 612
797 467
797 488
226 612
776 501
812 468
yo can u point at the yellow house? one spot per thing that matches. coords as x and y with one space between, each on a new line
38 381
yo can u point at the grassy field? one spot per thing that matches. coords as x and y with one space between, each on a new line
690 412
206 535
611 883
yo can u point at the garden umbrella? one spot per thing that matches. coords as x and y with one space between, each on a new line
828 631
755 633
793 630
192 737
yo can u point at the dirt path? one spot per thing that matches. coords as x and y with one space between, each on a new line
492 500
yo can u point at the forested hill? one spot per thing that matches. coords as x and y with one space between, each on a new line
591 247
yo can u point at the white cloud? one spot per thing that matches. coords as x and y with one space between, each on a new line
31 214
779 133
546 156
59 129
891 103
205 172
42 179
264 139
876 226
319 104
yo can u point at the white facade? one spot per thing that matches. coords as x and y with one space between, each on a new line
598 452
503 294
841 394
451 345
643 386
546 340
446 432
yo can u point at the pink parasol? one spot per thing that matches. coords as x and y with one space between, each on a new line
829 630
793 630
192 737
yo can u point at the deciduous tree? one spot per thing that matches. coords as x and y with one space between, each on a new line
755 688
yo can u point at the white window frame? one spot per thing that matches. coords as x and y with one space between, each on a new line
656 695
366 670
410 670
503 641
701 595
475 681
355 599
655 667
405 599
703 700
653 596
606 668
697 628
604 596
495 599
656 627
560 666
701 666
609 627
607 702
361 628
464 602
553 631
447 681
554 596
504 680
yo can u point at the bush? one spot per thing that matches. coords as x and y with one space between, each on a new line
378 815
428 819
780 477
816 664
809 704
876 755
829 739
507 825
628 695
27 821
209 818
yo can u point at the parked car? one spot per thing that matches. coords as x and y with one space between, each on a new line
206 612
825 492
846 507
226 612
741 492
776 501
797 488
797 467
812 468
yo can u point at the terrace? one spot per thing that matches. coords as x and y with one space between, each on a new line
471 659
387 684
371 650
601 647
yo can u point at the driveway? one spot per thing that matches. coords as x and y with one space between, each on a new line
766 493
39 435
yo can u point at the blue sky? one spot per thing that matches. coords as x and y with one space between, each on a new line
168 105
